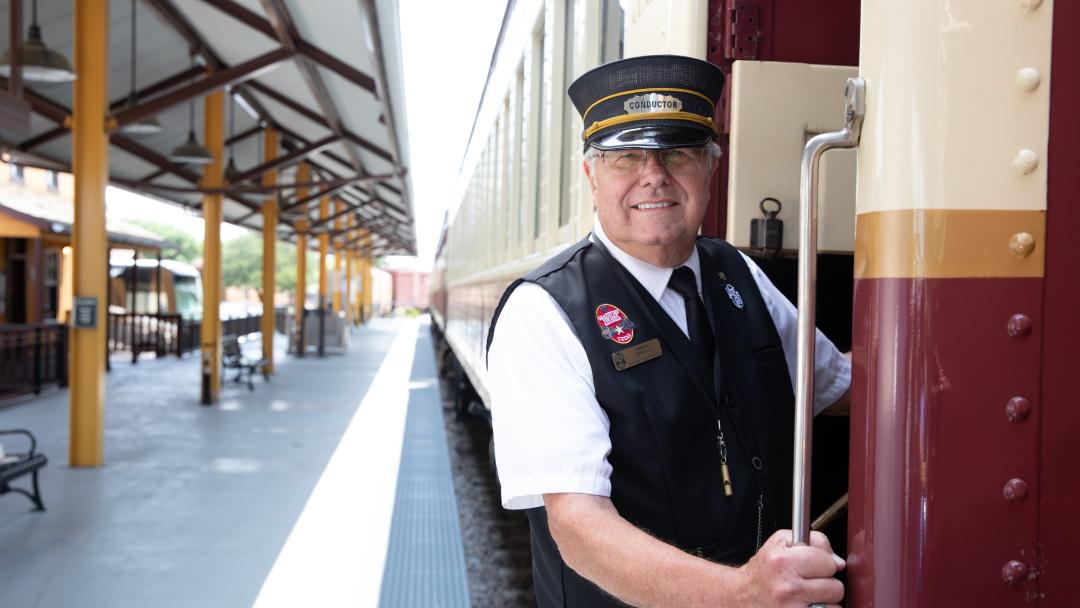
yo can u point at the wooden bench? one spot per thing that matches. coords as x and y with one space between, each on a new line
13 466
233 358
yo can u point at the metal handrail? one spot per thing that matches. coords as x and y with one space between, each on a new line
854 108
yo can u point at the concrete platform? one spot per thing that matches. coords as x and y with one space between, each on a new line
290 488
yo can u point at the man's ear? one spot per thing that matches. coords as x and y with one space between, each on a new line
587 166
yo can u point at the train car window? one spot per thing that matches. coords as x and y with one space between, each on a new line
493 207
611 31
543 104
522 153
505 213
566 171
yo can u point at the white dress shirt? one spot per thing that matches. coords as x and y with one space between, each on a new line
551 435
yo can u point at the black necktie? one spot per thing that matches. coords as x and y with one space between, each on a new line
697 320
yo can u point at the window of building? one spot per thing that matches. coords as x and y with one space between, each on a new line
15 172
53 181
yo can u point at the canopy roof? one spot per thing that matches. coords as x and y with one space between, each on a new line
52 213
326 75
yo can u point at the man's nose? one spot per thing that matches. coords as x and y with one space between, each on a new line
653 172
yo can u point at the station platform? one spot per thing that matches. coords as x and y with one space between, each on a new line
328 486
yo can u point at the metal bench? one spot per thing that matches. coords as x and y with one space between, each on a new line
233 358
15 465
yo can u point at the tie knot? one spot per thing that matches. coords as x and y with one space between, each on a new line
683 283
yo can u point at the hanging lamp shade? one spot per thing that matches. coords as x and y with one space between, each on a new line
231 172
144 126
147 125
39 62
191 152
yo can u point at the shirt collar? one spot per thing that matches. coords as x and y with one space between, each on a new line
653 278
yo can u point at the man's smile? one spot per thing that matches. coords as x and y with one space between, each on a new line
655 205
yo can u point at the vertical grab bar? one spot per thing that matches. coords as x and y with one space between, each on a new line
804 379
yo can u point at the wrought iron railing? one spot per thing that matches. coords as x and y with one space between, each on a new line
166 333
32 357
162 334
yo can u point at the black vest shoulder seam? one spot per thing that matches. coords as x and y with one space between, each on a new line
558 261
553 265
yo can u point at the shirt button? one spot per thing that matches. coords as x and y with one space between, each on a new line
757 463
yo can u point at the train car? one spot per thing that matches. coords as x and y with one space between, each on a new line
944 259
133 287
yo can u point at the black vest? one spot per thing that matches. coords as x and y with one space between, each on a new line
663 413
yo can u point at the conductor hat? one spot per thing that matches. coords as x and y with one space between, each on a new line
653 102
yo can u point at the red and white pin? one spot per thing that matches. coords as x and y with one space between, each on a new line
614 324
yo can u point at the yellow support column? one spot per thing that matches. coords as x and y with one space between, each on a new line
210 331
338 252
270 221
90 165
324 245
347 293
303 174
368 287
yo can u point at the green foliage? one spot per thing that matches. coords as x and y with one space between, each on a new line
241 264
188 249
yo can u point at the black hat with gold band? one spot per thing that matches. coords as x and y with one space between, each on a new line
653 102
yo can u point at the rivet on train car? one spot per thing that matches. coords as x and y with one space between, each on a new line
1019 326
1014 572
1028 79
1030 5
1017 409
1015 490
1025 161
1022 244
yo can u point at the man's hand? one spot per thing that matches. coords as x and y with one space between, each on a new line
784 575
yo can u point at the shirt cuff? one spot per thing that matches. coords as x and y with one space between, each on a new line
841 382
527 491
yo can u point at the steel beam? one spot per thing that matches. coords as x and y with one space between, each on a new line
214 82
287 160
256 22
288 34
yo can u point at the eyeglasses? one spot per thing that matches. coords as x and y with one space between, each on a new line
675 160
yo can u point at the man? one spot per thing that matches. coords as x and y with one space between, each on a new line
641 379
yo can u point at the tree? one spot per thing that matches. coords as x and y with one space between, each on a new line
241 264
188 247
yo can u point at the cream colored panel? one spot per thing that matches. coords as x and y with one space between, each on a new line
675 27
775 109
957 104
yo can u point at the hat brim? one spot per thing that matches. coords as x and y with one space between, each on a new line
660 135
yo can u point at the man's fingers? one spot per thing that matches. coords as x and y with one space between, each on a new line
820 541
812 563
822 591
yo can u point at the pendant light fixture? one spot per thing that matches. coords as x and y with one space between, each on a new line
148 125
39 62
231 172
191 152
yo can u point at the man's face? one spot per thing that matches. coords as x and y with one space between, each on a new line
651 204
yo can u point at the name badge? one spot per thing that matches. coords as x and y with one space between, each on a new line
629 357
